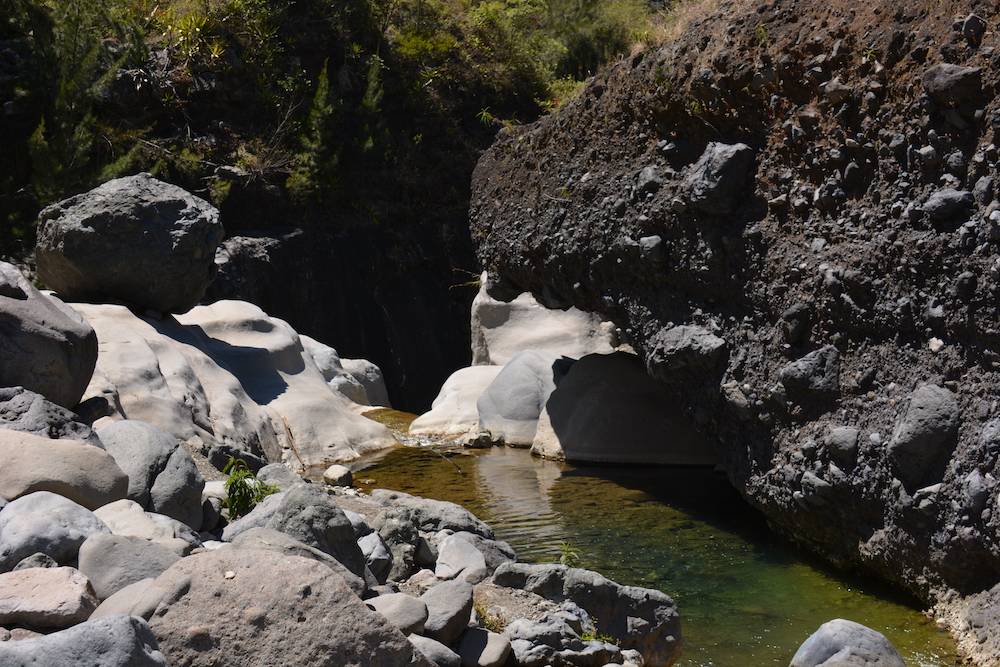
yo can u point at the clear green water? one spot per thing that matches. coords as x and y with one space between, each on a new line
746 598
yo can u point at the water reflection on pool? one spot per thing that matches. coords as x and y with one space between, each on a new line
746 598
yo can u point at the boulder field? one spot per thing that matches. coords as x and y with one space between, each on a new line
116 551
790 212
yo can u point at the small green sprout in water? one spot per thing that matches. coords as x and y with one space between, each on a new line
243 489
568 556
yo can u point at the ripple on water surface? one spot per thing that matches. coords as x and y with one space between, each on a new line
746 598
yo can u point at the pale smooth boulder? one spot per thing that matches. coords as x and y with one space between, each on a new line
501 330
255 607
338 475
45 597
404 611
454 411
266 355
843 643
459 558
134 239
228 377
83 473
126 517
162 475
371 378
607 409
137 599
158 371
328 362
45 346
509 408
119 641
46 523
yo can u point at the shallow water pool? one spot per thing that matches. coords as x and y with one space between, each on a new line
746 598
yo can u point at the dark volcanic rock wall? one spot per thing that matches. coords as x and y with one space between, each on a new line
807 186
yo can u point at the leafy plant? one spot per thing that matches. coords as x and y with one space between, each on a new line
487 620
760 33
243 490
568 556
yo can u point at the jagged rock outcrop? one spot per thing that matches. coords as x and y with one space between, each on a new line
824 207
135 239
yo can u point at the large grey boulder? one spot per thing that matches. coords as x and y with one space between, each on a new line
118 641
112 562
719 179
434 515
510 406
273 540
609 409
162 475
258 607
640 618
133 239
925 435
45 346
45 597
307 514
29 412
841 643
45 523
449 608
83 473
953 85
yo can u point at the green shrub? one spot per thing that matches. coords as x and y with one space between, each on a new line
243 489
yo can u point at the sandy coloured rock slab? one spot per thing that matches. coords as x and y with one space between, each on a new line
45 597
83 473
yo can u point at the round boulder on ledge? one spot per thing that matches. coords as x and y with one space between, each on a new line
136 239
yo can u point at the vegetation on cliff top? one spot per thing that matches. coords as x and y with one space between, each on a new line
281 110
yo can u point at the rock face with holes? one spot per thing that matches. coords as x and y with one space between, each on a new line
792 251
45 346
135 240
